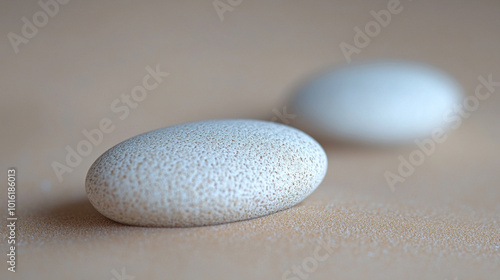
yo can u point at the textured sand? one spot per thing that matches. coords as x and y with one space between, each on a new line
435 243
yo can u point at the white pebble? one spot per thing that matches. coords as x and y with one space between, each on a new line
382 102
205 173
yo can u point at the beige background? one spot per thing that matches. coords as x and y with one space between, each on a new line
443 222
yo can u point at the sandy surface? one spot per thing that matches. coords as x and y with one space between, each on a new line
442 222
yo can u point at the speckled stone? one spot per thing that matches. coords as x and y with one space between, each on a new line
205 173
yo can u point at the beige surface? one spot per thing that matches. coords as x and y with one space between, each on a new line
441 223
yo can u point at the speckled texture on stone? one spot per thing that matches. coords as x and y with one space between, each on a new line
205 173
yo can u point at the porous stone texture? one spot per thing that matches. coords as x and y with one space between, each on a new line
205 173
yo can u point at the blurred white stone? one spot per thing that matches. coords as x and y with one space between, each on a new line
382 102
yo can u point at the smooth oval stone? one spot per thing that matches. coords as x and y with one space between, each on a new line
383 102
205 173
